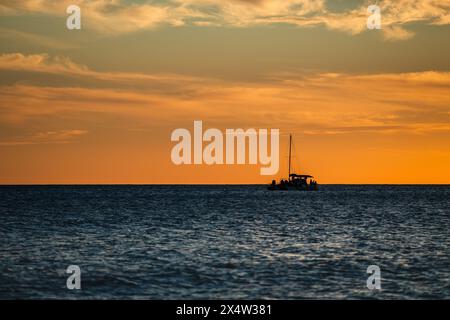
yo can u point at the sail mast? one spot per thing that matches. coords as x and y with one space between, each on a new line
290 143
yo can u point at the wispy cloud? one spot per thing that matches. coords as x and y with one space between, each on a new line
7 34
46 137
60 65
117 17
101 15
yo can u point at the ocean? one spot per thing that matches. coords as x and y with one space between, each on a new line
224 242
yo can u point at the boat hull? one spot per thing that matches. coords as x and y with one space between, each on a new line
279 187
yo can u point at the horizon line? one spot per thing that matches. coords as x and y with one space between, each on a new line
214 184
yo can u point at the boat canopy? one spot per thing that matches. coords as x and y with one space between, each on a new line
304 176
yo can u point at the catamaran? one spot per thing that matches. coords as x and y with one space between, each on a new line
300 182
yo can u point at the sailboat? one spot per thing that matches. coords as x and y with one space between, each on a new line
300 182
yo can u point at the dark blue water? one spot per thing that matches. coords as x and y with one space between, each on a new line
165 242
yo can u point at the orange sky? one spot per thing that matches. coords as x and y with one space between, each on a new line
98 106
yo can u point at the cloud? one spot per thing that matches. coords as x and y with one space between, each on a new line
43 63
397 33
117 17
104 16
47 137
314 103
36 39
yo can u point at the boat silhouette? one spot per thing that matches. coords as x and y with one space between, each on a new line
298 182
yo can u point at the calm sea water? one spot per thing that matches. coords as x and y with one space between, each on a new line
189 242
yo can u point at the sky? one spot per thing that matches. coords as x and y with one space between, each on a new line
98 105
